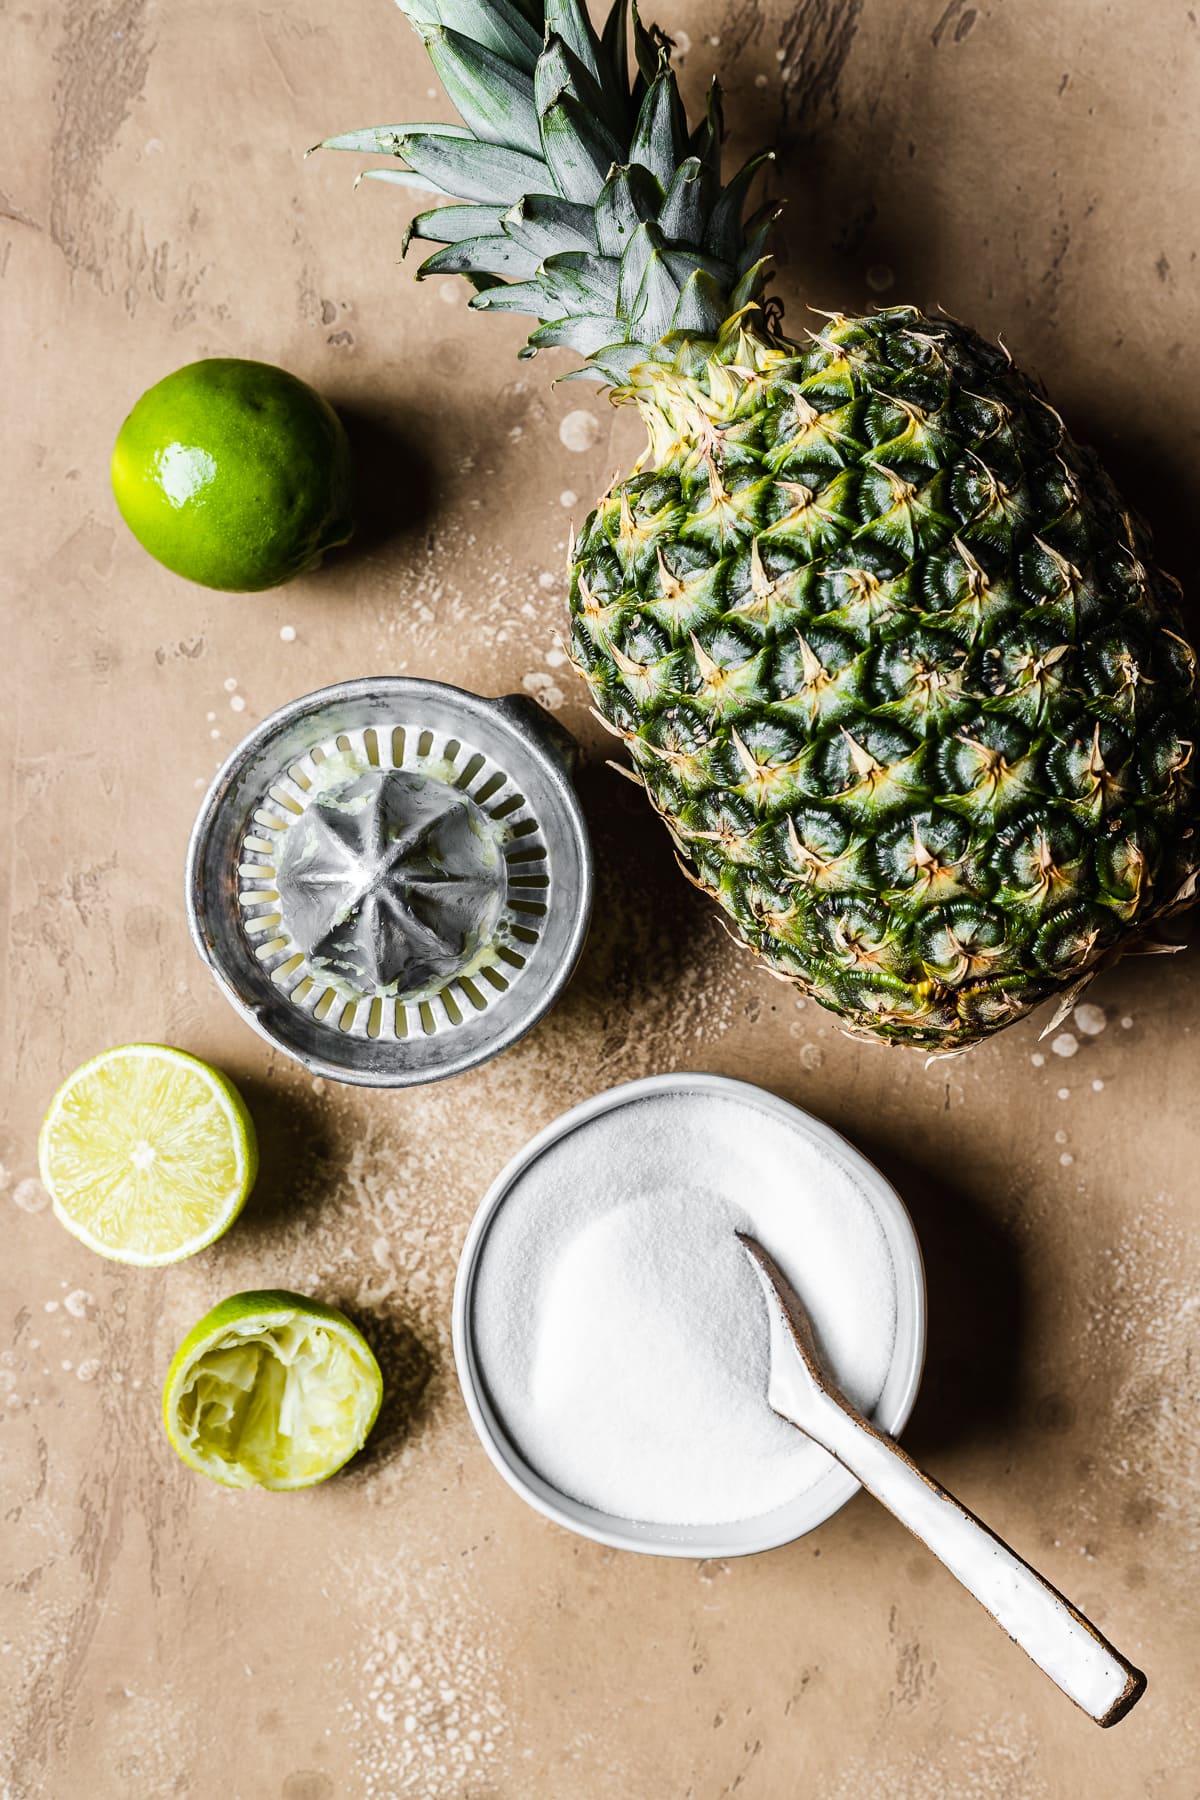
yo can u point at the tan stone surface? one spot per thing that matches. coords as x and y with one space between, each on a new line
412 1629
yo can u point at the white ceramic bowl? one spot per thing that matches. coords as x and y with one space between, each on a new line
742 1537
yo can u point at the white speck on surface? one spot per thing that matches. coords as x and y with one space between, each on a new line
88 1369
544 688
760 81
51 1306
214 733
237 703
210 716
1065 1044
447 293
80 1304
1145 1308
1127 1023
1089 1019
579 430
436 1688
555 658
67 1364
1097 1086
683 42
568 498
318 1086
547 581
30 1195
1060 1137
230 683
1064 1093
1066 1159
1038 1060
287 634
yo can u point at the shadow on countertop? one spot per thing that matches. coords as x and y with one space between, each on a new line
395 476
974 1385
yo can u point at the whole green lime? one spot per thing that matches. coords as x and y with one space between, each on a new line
234 474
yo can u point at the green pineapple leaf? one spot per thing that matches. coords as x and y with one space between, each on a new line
493 99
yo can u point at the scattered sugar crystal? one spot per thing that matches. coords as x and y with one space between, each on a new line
79 1303
230 683
237 703
1066 1159
579 430
1097 1086
568 498
30 1195
1065 1044
1126 1023
1064 1093
1038 1060
1089 1019
287 634
88 1369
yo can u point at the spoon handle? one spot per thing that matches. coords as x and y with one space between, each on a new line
1035 1615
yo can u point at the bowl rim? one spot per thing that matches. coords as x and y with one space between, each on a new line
827 1495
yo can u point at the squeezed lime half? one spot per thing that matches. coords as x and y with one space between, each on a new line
271 1390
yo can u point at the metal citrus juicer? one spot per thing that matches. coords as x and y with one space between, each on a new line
391 879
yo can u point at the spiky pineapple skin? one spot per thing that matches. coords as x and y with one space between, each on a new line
897 670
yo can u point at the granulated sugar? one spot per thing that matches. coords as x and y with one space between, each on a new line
621 1333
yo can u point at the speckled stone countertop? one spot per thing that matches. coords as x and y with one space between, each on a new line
412 1629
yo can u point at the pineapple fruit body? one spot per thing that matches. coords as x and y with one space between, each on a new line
895 668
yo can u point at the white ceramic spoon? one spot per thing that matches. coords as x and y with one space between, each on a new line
1034 1614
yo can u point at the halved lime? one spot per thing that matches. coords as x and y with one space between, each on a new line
147 1153
271 1390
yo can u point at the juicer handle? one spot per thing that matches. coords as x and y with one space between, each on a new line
1064 1644
532 721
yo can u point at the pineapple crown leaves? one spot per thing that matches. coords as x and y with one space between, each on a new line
581 196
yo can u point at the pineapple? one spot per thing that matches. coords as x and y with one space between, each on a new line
886 651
